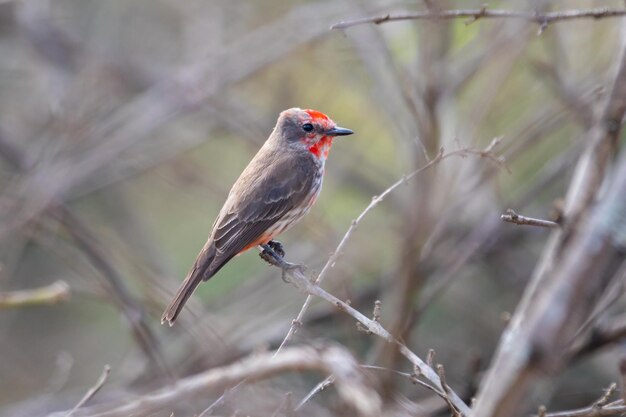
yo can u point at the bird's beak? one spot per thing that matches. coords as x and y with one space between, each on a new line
339 131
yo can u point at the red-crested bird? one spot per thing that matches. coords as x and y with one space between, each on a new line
277 188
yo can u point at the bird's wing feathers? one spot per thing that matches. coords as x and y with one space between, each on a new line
270 194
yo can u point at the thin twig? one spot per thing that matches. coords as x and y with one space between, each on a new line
304 284
612 410
297 322
602 401
446 389
542 19
512 217
414 378
92 391
484 153
54 293
599 408
327 382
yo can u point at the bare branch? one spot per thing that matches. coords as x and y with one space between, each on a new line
349 379
54 293
484 153
599 408
512 217
607 395
561 277
306 285
330 380
487 153
591 411
542 19
92 391
442 376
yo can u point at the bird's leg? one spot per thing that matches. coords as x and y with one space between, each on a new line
273 253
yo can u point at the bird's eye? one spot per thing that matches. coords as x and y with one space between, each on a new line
307 127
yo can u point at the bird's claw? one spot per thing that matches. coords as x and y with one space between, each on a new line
277 247
273 254
267 257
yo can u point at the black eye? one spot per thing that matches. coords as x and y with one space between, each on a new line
307 127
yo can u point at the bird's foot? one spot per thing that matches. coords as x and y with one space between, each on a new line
277 247
273 253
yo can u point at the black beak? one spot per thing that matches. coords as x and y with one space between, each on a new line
339 131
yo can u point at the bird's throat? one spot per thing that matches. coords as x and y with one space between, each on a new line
321 148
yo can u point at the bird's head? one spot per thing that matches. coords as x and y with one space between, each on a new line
308 129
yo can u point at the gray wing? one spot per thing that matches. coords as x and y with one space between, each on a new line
269 196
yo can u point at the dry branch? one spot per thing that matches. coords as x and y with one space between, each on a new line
92 391
87 242
542 19
310 287
578 263
54 293
600 407
487 153
349 379
591 411
512 217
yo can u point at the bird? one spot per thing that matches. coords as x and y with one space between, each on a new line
277 188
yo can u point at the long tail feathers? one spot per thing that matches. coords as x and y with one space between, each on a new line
201 270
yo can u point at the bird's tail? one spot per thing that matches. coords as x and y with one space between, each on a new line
202 270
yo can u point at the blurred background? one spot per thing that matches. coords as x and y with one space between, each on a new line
124 124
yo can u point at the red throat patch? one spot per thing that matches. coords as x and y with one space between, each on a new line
322 147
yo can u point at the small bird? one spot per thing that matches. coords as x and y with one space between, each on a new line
276 189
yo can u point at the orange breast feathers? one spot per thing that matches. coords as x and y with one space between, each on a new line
262 240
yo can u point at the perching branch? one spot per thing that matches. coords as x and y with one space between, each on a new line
542 19
304 284
54 293
483 153
487 153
